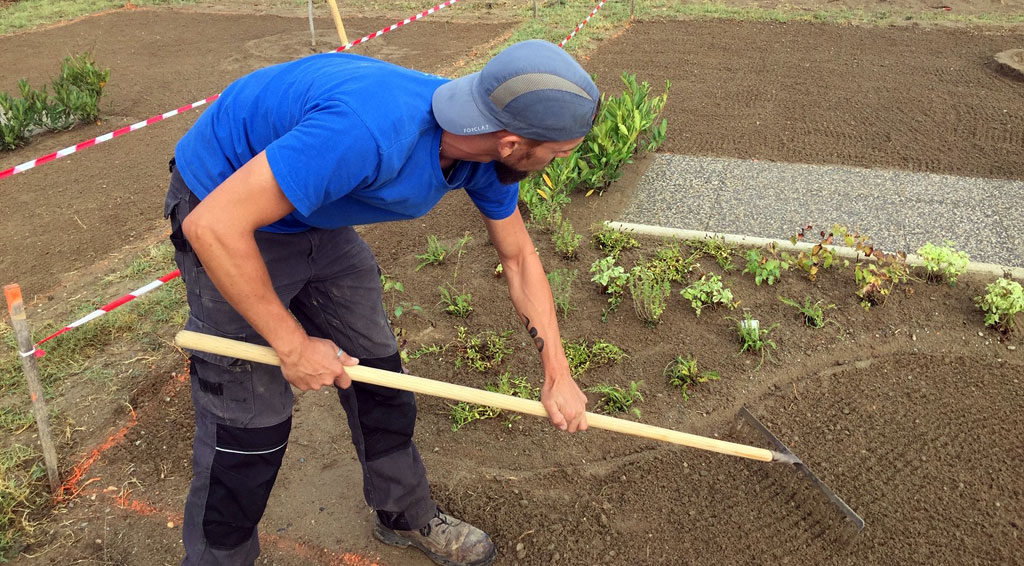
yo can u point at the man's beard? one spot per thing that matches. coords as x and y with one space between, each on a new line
508 175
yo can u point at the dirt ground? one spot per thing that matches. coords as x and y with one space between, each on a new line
910 411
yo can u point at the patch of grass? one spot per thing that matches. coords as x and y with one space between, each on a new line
612 242
561 281
583 357
717 249
615 399
21 491
156 260
462 414
714 10
435 254
670 263
26 14
682 373
482 351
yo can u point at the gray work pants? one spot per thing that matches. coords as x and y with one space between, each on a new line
330 281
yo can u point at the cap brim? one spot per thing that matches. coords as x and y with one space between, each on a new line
456 110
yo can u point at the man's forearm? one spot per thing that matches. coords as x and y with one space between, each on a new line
531 296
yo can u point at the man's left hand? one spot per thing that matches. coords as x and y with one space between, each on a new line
565 403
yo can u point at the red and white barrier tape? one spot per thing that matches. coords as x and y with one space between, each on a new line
583 23
39 352
122 131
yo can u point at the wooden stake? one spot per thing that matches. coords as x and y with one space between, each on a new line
337 22
535 9
312 32
16 308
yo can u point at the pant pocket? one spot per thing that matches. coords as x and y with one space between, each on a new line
245 466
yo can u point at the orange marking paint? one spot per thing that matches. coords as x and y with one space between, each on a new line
70 488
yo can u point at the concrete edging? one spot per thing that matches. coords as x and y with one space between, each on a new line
754 241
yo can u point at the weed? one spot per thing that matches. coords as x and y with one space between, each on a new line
21 472
650 291
682 373
615 399
464 413
708 291
436 253
813 313
391 286
566 240
765 268
455 303
612 278
1001 303
717 249
754 338
669 262
582 357
561 281
612 242
482 351
943 262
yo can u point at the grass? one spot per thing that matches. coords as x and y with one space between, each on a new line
21 491
27 14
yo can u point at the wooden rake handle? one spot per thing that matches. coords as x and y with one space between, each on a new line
262 354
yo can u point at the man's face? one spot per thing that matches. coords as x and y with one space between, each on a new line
531 157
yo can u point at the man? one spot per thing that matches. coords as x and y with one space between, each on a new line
264 190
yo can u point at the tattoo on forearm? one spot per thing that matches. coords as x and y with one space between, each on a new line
533 334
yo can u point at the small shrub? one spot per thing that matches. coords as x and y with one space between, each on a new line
717 249
943 262
754 338
708 291
764 268
670 263
566 240
615 399
813 313
813 261
561 281
682 373
650 293
612 278
1001 303
612 242
582 357
455 303
436 253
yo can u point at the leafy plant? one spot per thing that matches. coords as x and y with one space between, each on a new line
462 414
612 278
879 274
615 399
670 263
753 337
455 303
650 293
612 242
390 287
682 373
813 313
1002 301
482 351
817 258
717 249
561 281
943 262
566 240
583 357
544 198
765 268
436 253
708 291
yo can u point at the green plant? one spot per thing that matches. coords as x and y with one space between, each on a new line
615 399
813 313
391 286
943 262
1002 301
543 198
814 260
670 263
682 373
765 268
754 338
612 242
650 291
436 253
612 278
879 273
717 249
561 281
566 240
16 121
482 351
455 303
21 473
708 291
462 414
583 357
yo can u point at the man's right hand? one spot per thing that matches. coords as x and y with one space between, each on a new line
315 364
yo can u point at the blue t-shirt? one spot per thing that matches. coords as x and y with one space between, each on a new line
350 140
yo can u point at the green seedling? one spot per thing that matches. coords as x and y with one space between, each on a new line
753 338
708 291
390 287
612 242
436 253
612 279
566 240
650 292
615 399
813 313
561 281
1002 301
765 268
482 351
583 357
943 262
455 303
717 249
462 414
682 373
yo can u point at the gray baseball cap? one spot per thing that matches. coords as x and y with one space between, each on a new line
533 88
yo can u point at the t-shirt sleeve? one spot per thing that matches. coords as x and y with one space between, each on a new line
494 200
325 156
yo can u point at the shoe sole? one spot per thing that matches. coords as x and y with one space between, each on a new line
389 537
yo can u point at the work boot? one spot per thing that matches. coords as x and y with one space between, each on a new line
445 539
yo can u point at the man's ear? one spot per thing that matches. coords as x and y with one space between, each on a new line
507 143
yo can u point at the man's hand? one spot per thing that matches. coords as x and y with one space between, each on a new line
565 403
316 363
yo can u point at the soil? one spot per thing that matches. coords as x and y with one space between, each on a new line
909 411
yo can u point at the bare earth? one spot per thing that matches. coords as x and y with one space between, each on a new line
910 411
